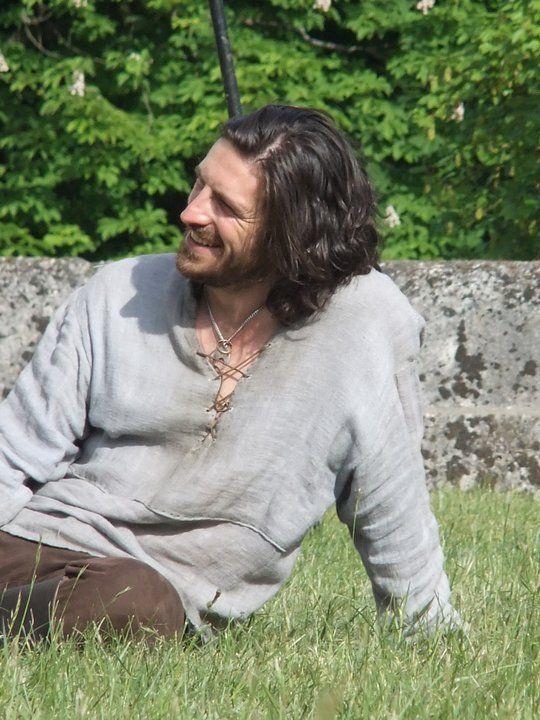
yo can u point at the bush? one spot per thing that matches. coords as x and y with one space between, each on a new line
107 105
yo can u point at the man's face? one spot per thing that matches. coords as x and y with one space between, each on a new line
220 248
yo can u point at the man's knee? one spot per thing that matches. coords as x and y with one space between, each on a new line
123 592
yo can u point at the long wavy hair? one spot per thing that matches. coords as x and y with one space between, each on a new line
318 207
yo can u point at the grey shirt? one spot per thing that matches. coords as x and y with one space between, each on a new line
105 445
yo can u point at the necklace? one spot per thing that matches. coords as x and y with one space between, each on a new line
224 345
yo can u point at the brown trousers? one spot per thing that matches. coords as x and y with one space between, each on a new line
40 585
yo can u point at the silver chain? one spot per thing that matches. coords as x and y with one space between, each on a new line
224 345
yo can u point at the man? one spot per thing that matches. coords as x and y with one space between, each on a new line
180 429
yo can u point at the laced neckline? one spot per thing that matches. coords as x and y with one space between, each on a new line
224 370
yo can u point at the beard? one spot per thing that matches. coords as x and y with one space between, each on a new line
225 267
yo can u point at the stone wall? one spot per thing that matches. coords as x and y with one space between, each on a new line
480 369
479 365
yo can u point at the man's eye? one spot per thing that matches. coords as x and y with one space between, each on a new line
226 206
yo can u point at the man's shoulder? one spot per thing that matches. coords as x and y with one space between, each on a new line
143 274
373 294
145 267
372 309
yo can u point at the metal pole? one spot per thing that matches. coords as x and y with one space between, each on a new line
225 58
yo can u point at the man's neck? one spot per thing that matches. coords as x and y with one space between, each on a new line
231 305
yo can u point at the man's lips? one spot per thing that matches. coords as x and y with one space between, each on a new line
196 243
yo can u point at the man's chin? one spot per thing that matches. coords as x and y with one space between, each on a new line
220 276
192 270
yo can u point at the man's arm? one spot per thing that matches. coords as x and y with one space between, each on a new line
386 507
44 416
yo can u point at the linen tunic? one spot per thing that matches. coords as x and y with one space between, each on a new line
105 445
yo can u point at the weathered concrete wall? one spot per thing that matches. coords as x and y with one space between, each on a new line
479 366
480 369
30 290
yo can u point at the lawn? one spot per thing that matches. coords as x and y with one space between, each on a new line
315 650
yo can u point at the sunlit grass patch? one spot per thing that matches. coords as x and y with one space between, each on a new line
315 651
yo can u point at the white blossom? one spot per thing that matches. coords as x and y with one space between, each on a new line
323 5
458 113
78 86
425 6
391 216
79 3
4 67
135 56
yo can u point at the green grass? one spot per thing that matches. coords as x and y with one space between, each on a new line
315 652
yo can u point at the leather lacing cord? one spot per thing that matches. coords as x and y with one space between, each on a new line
224 371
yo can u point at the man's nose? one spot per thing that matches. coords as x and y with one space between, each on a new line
198 209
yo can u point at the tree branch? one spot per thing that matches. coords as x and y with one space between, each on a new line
325 44
336 47
36 43
37 20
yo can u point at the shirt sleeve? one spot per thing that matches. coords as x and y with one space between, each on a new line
386 506
44 416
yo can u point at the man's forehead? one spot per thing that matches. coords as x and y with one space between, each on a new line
229 173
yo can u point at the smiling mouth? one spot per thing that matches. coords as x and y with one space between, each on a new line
203 243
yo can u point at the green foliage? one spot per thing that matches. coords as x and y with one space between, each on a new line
106 105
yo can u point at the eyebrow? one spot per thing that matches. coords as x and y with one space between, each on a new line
228 201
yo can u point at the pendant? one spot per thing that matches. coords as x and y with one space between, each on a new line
224 347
